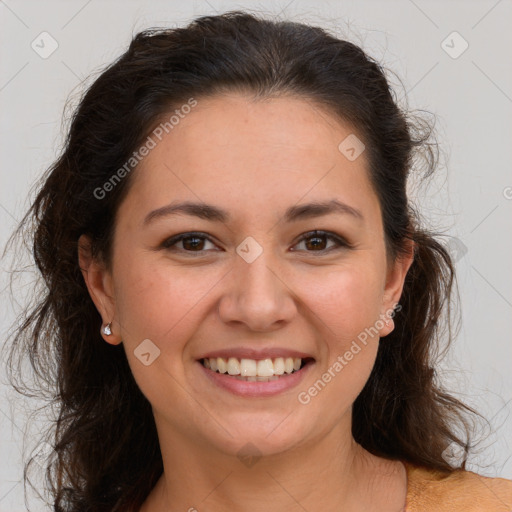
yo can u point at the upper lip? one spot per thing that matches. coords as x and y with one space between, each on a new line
253 353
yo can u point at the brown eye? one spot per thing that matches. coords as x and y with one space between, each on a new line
193 243
190 242
318 241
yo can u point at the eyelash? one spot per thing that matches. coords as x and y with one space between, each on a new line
340 242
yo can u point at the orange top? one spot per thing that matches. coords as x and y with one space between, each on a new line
461 491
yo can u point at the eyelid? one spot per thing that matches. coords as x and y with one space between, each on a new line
340 241
173 240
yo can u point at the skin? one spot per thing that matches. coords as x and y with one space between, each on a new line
254 159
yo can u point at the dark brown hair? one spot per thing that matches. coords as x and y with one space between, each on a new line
107 455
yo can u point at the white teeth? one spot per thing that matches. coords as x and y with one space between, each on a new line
248 368
265 368
278 366
233 366
222 365
257 379
253 369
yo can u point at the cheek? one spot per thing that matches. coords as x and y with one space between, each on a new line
160 301
347 299
347 306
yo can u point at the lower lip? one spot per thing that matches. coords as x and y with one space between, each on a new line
256 389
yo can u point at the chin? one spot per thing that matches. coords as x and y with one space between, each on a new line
259 439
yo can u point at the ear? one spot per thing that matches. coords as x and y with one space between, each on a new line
395 279
100 285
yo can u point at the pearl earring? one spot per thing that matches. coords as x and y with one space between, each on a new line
107 330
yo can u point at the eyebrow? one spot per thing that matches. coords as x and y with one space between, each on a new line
215 214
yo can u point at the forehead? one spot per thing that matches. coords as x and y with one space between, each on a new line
252 129
256 152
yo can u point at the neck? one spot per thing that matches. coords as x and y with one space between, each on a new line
332 473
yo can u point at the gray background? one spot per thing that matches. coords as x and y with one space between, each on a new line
471 199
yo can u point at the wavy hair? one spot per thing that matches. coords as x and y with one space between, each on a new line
106 452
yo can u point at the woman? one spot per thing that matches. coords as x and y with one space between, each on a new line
241 304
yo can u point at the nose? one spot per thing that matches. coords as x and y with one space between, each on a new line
257 296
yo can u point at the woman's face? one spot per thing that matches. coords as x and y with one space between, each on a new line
252 282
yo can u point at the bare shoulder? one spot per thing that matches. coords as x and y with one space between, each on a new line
430 490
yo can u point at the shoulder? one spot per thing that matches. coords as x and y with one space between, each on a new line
430 490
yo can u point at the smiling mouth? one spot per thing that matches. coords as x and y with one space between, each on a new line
252 370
